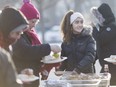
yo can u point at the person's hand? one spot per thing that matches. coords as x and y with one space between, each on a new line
76 71
55 48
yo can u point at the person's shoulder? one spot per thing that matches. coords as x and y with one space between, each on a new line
4 55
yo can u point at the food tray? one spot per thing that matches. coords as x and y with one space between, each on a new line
96 80
105 82
84 83
104 77
53 83
70 83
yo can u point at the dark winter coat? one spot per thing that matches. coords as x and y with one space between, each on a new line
106 39
27 56
7 70
80 52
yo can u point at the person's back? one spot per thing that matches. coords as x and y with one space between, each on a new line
7 74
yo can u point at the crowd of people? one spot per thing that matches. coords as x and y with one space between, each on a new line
21 48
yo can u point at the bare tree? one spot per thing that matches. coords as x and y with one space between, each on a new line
43 6
78 5
4 3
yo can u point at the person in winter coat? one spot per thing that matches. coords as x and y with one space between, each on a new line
28 51
33 16
78 44
12 24
105 36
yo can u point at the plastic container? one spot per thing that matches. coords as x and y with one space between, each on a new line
71 83
54 83
104 77
84 83
105 81
95 80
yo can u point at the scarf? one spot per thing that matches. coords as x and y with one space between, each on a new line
33 37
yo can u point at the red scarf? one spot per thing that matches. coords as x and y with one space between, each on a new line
33 36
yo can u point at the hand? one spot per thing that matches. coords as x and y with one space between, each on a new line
76 71
55 48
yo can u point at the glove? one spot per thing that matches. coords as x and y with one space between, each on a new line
55 48
76 71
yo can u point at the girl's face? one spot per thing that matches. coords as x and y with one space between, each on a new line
32 23
77 26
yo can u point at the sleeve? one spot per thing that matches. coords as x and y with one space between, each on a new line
95 33
26 51
64 63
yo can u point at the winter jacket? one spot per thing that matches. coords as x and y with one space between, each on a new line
27 56
80 52
7 70
106 39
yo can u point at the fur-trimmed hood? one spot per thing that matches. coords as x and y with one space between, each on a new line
106 12
87 31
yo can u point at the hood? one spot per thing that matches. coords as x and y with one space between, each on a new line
107 13
87 31
104 14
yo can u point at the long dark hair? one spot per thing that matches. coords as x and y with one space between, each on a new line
66 27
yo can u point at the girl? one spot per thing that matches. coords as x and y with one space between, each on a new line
78 44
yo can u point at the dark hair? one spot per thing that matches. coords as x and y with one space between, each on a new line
66 27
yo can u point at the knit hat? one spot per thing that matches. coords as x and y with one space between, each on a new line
29 10
75 16
12 20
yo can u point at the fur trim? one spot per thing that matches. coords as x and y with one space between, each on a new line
98 15
87 30
93 9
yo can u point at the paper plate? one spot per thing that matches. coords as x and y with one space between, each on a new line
54 60
110 60
26 78
59 73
